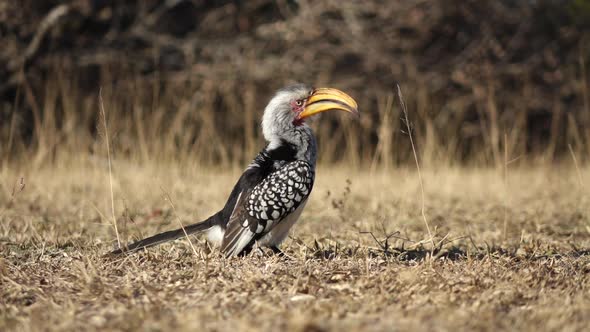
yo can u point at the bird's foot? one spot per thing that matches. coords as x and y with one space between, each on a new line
281 254
276 252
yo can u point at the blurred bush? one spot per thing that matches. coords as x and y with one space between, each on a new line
477 75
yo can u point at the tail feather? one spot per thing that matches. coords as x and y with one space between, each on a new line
167 236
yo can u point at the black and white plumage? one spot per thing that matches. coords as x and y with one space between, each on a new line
270 195
266 205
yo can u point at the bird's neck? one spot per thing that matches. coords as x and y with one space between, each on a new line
296 144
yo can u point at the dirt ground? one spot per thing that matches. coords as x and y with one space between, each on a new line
510 253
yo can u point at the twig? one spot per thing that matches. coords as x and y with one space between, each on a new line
167 197
106 135
407 121
385 244
384 248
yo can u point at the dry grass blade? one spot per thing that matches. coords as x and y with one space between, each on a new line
106 137
423 196
167 197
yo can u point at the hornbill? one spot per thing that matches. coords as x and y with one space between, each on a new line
271 193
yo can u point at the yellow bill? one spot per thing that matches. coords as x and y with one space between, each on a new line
326 99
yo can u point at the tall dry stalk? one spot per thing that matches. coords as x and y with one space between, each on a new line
505 179
106 136
423 196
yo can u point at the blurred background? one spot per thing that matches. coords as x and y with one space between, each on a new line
186 81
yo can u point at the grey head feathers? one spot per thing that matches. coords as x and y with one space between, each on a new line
278 122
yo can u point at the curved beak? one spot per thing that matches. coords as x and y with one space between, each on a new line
326 99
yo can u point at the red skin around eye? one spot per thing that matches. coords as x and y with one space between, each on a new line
297 109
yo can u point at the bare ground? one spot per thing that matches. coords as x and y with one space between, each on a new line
509 253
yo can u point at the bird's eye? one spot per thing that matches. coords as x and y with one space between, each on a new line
299 102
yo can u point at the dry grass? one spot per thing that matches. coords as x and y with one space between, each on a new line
537 277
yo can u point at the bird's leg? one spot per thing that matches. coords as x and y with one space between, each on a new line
281 254
246 251
277 251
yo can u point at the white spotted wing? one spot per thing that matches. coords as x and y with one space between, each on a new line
257 211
